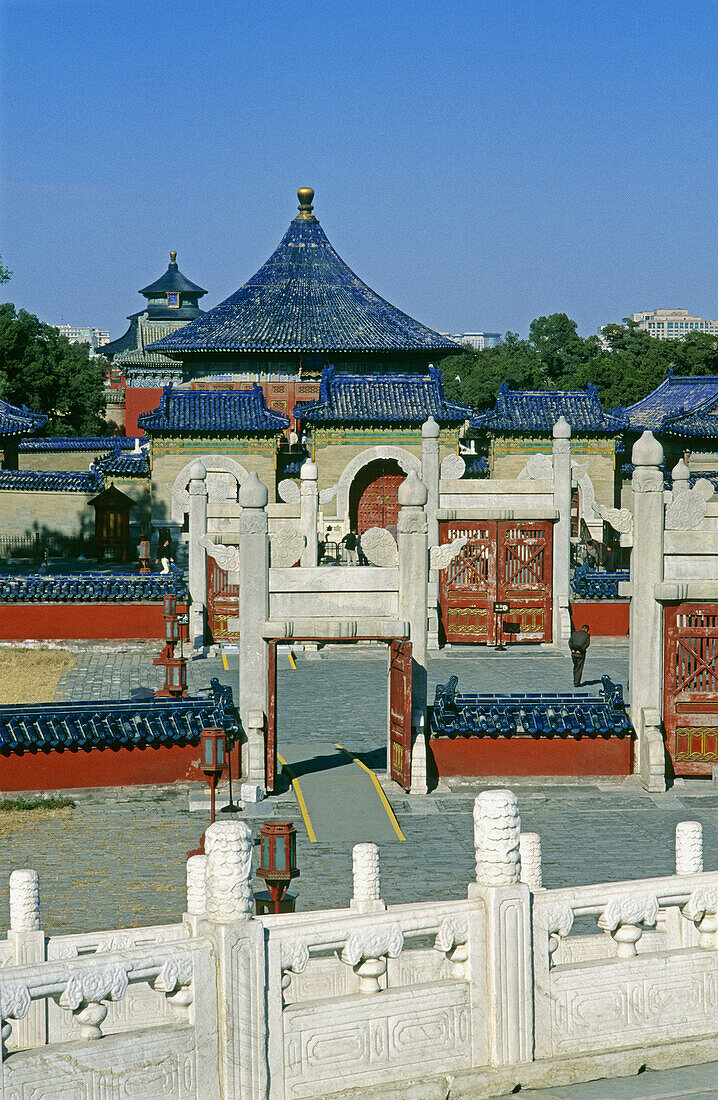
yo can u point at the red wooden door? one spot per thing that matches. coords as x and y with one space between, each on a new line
270 769
222 604
400 712
690 687
378 501
467 587
525 576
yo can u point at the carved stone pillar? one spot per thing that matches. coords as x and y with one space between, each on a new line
197 555
196 886
507 903
28 943
431 475
229 894
562 528
689 848
253 613
646 616
413 604
530 852
309 513
367 879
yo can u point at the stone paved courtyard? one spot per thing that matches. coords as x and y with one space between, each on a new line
118 857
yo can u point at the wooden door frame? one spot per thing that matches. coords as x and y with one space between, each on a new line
270 733
683 716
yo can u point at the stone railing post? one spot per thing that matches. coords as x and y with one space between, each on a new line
196 890
413 608
507 903
241 963
625 918
309 512
689 848
530 853
253 614
197 554
366 895
562 528
28 942
646 616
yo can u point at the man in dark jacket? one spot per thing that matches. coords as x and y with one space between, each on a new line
578 643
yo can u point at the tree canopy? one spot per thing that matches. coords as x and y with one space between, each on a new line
556 357
41 368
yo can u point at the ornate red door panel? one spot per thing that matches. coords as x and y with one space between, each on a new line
222 604
400 712
374 496
467 587
690 687
525 577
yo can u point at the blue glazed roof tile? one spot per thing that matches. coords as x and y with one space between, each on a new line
672 406
79 443
116 723
50 481
19 420
538 411
119 464
90 588
589 584
213 412
304 299
529 715
380 398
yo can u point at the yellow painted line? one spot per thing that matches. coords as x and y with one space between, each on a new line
224 662
300 798
292 660
382 796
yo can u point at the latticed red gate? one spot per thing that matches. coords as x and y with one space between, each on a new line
502 561
400 712
690 687
222 604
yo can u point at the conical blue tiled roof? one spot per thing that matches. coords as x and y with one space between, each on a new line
304 299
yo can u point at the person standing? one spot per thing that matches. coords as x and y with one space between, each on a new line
578 643
350 545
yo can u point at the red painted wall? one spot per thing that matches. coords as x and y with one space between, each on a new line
121 767
139 399
66 621
517 755
606 618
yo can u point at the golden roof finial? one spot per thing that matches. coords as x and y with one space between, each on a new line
173 257
305 196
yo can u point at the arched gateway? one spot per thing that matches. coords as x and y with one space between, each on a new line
374 496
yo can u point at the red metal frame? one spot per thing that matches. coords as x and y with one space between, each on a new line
222 603
690 687
400 688
504 561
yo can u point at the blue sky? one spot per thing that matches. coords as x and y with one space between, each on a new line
477 164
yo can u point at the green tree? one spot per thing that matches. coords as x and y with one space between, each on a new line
42 369
473 378
5 273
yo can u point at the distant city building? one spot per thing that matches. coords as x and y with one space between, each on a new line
478 340
95 337
672 324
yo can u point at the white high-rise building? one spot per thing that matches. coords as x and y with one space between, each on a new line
478 340
95 337
672 324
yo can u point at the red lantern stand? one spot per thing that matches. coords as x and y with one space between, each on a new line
213 761
278 867
144 553
175 685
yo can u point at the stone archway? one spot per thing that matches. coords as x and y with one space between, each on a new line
404 459
220 464
374 496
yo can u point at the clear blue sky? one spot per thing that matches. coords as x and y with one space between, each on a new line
478 164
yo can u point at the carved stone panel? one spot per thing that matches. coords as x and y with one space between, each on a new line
453 468
379 547
285 548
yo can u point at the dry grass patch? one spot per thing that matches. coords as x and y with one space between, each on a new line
12 820
32 675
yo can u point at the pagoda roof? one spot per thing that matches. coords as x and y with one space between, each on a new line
305 299
213 412
173 280
120 463
680 405
19 420
50 481
79 443
380 398
538 410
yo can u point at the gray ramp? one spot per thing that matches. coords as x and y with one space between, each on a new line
340 800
